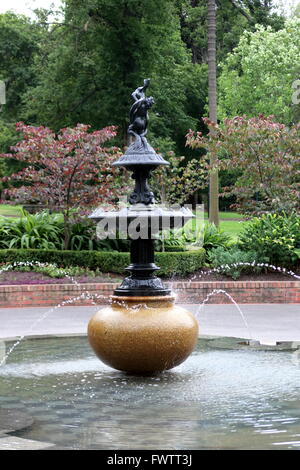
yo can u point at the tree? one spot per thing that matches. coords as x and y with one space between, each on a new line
233 18
19 44
101 52
258 77
212 104
176 183
67 171
267 155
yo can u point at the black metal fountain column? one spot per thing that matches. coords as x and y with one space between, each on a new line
141 159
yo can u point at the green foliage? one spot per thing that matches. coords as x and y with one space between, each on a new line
233 18
19 44
273 237
93 260
8 135
38 231
107 262
46 231
230 261
180 264
214 237
20 41
176 183
265 154
82 235
101 53
113 244
171 241
51 270
258 76
84 68
193 236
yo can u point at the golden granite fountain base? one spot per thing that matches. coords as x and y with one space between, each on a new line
143 334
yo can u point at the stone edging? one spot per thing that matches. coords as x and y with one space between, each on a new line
250 292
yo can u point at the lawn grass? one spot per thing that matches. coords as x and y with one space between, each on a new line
233 227
227 215
6 210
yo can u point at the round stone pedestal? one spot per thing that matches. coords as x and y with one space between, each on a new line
143 334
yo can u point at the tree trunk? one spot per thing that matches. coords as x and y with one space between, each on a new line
212 94
67 230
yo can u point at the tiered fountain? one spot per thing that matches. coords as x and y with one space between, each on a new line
223 397
142 331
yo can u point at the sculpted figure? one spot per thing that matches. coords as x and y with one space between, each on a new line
139 114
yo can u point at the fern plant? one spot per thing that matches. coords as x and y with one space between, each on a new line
32 231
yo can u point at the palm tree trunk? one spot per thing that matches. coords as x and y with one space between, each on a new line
212 95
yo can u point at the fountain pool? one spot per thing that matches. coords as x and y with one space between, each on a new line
225 396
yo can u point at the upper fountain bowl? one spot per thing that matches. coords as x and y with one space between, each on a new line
141 154
147 216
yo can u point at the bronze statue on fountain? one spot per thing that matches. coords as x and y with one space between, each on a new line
139 117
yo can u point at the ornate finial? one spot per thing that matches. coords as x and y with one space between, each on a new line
139 114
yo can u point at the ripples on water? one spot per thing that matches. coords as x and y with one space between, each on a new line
227 399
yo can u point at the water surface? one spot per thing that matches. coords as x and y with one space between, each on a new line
218 399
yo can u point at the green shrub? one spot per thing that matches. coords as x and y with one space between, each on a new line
180 264
84 237
39 231
273 237
171 241
45 231
231 261
214 237
113 244
206 236
107 262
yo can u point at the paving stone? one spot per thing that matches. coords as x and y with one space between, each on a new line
267 321
17 443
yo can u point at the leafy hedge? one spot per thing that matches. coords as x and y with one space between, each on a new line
274 237
181 263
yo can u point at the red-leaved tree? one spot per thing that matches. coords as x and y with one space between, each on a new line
68 170
266 155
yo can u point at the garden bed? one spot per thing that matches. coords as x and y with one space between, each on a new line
206 275
15 278
34 278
